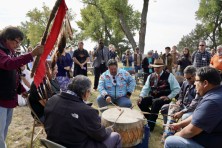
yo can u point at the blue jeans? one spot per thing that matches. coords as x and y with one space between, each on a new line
122 101
5 120
137 68
186 115
114 140
179 142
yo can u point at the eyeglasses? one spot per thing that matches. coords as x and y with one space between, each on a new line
189 78
201 45
18 42
114 81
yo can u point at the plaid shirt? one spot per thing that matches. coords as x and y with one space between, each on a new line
201 59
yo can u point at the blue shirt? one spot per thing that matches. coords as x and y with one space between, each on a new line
64 61
208 117
174 86
116 86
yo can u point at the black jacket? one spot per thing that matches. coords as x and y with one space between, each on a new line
72 123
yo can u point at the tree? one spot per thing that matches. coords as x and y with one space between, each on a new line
210 14
35 26
113 19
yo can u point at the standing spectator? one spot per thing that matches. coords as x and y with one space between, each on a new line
137 59
216 60
10 82
155 55
212 52
91 56
184 60
204 128
80 58
175 57
30 64
64 63
112 53
201 57
147 68
115 85
168 59
101 57
127 61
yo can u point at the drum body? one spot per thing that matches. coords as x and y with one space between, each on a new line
130 125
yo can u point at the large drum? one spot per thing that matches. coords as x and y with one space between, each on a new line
130 125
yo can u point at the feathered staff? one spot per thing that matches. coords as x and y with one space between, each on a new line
58 12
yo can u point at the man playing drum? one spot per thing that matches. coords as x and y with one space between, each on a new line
160 87
115 86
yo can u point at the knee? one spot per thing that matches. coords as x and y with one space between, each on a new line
169 142
100 100
125 103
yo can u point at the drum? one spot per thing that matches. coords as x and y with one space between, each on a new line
130 125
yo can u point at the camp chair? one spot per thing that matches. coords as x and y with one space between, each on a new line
49 144
36 123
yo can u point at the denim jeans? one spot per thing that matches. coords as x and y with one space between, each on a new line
122 101
186 115
114 140
137 68
179 142
5 120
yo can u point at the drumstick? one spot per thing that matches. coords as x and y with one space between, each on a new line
155 114
103 108
118 117
115 106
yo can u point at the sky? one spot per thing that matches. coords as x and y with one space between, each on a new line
167 20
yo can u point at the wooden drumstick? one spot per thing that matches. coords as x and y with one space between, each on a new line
115 106
118 117
155 114
103 108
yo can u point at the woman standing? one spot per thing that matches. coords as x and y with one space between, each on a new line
64 63
184 61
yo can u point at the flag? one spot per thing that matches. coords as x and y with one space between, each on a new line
50 42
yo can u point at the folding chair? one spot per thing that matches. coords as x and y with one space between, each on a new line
49 144
36 123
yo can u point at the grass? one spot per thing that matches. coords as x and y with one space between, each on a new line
19 133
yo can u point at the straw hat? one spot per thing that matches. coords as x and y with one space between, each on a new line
157 63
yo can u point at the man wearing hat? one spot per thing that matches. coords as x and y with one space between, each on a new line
160 87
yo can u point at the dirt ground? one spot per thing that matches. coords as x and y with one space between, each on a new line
19 134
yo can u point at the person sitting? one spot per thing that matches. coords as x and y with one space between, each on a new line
186 104
115 86
161 86
188 99
38 97
203 129
72 123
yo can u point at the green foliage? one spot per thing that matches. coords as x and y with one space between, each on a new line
209 14
100 20
35 26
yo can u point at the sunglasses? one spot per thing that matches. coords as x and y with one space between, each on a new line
201 45
114 81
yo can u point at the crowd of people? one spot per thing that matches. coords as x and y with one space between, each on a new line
62 97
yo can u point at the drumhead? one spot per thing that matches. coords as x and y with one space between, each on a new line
128 115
